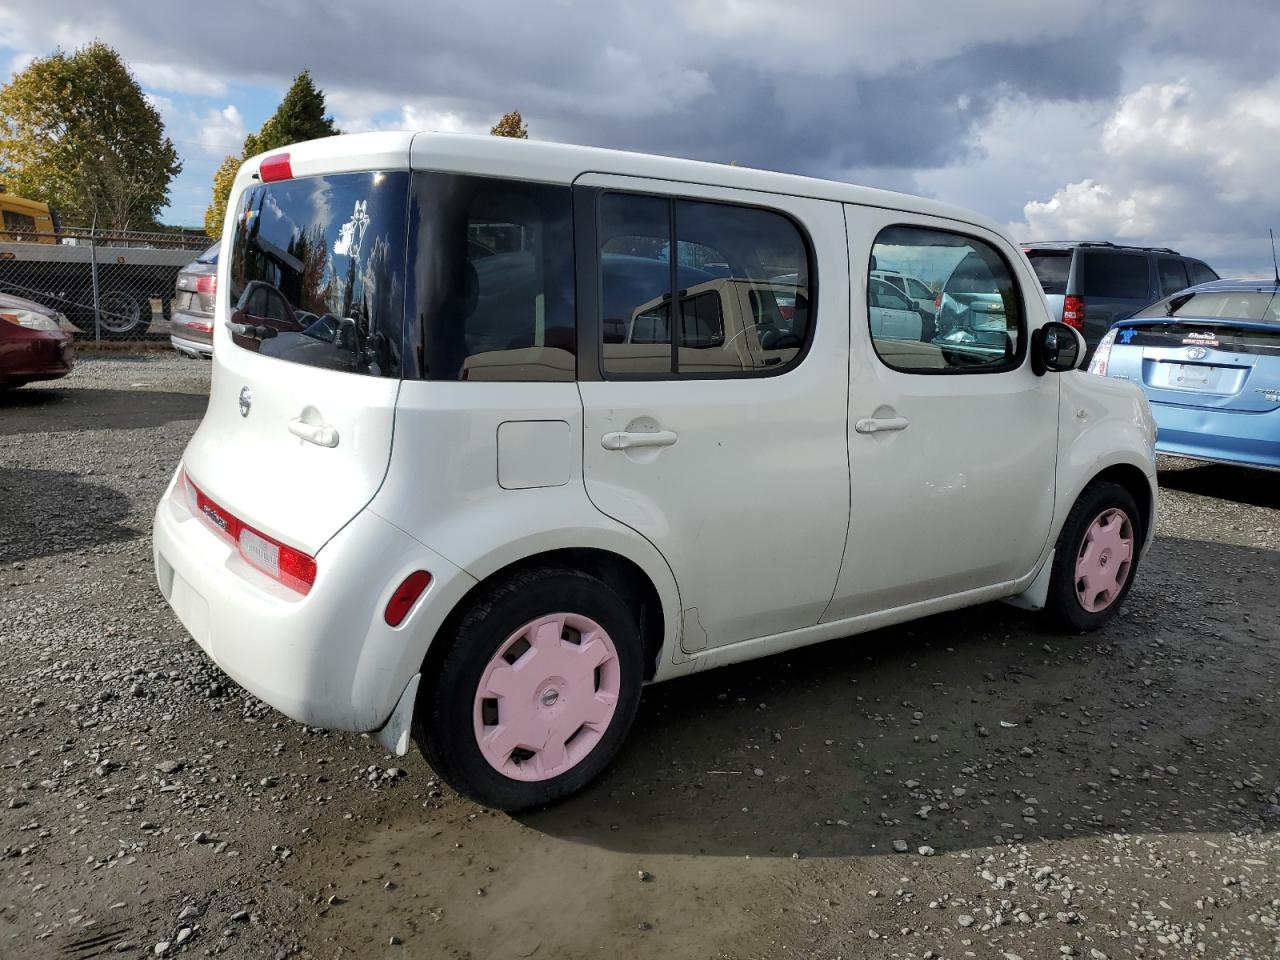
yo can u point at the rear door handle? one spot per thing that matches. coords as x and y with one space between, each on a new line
624 440
322 435
881 424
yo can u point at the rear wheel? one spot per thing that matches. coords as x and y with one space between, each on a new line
124 314
1096 558
536 692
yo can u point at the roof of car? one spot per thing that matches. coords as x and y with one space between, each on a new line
547 162
1072 244
1239 285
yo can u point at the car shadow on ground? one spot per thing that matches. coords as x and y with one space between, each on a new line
1258 488
65 514
35 409
966 727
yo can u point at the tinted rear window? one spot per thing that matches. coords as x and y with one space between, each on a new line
1123 276
1218 305
317 271
1052 270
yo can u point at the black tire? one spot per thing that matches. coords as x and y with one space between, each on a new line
125 314
1063 606
443 723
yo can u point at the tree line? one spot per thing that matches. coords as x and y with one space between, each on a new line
77 132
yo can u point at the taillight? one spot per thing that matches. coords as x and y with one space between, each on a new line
1073 311
937 301
1102 356
206 288
405 597
275 167
279 561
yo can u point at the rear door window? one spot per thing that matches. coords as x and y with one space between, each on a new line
1052 269
317 271
1173 275
1114 275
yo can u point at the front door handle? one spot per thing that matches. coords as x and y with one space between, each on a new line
625 440
881 424
321 434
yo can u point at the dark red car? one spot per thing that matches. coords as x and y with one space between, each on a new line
33 345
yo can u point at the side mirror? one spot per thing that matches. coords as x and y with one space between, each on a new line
346 336
1057 348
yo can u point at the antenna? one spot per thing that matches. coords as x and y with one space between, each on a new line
1274 262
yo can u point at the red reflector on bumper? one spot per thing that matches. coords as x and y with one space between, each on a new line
405 597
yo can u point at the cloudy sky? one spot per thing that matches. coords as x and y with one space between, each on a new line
1146 123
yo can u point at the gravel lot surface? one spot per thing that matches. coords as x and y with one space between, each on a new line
965 786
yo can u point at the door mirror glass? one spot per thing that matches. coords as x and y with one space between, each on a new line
1058 348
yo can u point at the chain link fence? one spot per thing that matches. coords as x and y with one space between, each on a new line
110 286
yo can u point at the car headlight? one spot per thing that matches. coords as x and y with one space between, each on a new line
31 320
1102 356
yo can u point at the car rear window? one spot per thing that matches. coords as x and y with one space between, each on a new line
1051 269
1218 305
317 271
1121 276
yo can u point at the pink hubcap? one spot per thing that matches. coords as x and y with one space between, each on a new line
1106 557
547 696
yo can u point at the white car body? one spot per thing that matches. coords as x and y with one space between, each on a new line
465 479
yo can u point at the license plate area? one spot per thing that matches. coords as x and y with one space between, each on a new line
1195 377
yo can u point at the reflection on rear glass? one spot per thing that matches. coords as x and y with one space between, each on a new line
317 271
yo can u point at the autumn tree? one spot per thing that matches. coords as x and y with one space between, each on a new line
223 178
300 116
511 125
77 133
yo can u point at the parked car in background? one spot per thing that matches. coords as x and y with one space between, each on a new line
604 441
919 296
33 345
892 315
1090 284
191 325
1209 361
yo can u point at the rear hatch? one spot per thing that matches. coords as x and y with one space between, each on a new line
308 327
1220 364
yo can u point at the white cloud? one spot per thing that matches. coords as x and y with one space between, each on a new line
1180 163
222 131
177 78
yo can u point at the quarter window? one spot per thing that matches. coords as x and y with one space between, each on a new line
19 222
741 279
974 324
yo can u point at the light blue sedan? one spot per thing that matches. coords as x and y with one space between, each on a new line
1208 358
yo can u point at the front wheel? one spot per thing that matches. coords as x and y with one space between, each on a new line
1096 558
536 692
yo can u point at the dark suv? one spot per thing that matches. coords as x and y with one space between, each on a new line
1092 283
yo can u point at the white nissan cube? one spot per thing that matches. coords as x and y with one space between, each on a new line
500 431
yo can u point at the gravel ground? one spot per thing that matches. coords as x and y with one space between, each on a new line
965 786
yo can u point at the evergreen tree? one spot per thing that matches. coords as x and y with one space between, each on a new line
300 116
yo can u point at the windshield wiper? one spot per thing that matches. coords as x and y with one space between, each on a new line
1177 303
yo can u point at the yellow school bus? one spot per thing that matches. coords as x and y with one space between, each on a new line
28 221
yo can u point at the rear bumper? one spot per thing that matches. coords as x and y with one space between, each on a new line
327 659
1249 439
192 347
192 332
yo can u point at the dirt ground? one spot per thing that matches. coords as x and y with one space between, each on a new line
1111 796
